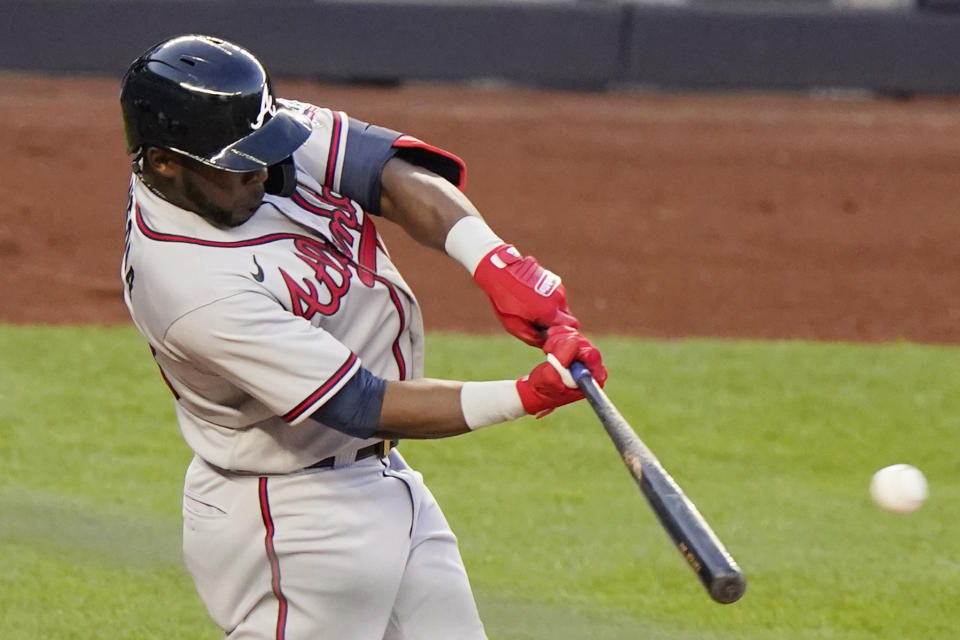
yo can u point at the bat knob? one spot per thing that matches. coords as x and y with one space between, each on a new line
579 371
728 589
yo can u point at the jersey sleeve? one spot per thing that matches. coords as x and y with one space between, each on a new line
274 356
347 155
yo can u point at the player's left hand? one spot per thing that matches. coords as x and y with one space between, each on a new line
550 384
563 345
526 297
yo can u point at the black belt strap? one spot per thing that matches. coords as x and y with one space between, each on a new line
379 449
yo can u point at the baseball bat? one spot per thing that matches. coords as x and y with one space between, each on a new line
697 542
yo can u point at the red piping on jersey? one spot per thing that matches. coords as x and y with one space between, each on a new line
334 148
274 560
397 352
169 237
294 413
301 202
368 252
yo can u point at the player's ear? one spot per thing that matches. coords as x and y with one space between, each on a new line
161 161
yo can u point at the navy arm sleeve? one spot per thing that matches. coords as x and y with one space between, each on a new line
368 149
355 409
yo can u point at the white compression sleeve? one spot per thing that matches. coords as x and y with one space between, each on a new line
468 240
487 403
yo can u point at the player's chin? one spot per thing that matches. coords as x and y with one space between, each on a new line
239 214
250 205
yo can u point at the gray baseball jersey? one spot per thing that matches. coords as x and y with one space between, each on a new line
255 327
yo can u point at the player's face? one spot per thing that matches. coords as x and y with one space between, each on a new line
225 198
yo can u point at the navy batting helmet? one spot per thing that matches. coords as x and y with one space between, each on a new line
211 100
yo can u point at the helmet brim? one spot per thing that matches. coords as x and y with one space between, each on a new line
275 141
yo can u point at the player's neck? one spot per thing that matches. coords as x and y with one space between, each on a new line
164 194
218 218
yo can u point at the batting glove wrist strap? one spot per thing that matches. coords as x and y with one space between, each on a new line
487 403
469 240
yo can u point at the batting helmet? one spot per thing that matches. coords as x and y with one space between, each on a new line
211 100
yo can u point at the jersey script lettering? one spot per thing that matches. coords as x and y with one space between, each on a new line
345 221
332 271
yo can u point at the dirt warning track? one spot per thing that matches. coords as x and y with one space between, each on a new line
667 215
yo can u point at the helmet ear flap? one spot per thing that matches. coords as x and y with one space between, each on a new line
281 178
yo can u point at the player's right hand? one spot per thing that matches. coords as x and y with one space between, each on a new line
550 384
525 296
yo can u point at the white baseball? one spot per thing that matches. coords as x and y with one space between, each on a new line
899 488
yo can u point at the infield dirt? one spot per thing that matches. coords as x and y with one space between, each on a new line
750 216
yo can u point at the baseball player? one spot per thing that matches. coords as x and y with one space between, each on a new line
294 349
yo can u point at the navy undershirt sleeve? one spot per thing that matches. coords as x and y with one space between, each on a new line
368 149
355 409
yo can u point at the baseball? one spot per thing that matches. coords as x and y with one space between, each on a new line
899 488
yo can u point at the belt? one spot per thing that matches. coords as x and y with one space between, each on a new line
380 449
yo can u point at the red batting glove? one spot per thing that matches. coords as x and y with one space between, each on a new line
544 389
525 296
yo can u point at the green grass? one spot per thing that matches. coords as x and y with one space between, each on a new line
774 441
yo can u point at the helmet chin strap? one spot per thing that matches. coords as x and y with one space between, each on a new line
137 163
281 178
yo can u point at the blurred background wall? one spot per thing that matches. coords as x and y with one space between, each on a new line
894 47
